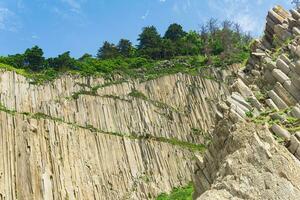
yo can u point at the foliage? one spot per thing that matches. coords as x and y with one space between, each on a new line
125 48
174 32
184 193
107 51
33 58
154 56
150 42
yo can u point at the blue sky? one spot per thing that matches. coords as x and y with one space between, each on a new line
81 26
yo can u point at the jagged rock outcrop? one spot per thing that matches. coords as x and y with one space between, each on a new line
88 138
245 162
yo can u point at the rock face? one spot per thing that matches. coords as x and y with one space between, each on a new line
255 150
86 138
245 162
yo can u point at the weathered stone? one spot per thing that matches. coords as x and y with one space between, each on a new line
237 97
280 76
280 132
297 135
285 59
250 165
255 73
240 87
295 14
282 32
284 94
295 112
75 148
297 67
277 100
296 31
289 86
283 66
294 144
297 52
295 80
271 104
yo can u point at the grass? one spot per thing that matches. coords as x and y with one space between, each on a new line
173 141
184 193
291 124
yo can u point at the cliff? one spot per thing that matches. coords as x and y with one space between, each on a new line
255 149
89 138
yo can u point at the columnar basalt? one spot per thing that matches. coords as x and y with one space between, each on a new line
88 138
244 161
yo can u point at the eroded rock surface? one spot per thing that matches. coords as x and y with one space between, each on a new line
88 138
245 162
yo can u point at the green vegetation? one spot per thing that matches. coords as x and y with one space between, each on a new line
134 136
177 51
290 123
184 193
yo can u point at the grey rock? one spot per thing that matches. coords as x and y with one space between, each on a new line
295 112
280 76
284 94
271 104
294 144
280 132
289 86
250 165
277 100
283 66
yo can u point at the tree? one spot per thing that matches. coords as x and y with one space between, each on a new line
191 44
107 51
174 32
150 42
85 56
34 58
62 61
125 48
168 49
212 26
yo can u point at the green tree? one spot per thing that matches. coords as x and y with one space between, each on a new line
174 32
191 44
125 48
150 42
168 49
85 56
108 51
34 59
63 61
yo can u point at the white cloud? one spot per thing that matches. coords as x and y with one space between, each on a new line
8 20
181 6
239 11
146 15
73 4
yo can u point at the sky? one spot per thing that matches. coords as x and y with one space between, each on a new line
81 26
